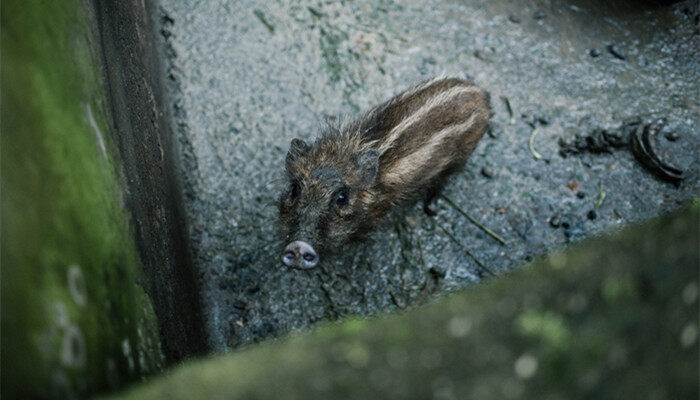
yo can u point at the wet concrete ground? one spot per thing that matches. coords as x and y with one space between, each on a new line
246 77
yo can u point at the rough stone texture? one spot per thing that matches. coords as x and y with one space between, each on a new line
612 318
247 77
74 319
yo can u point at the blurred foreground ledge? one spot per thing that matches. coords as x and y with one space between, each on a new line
614 317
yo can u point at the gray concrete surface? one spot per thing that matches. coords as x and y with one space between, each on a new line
246 77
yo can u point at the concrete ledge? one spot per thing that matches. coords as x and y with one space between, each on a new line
611 318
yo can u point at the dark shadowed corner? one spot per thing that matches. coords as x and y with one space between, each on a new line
145 143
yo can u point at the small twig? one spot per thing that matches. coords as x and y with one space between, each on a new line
601 195
510 110
454 239
531 145
261 17
316 13
474 221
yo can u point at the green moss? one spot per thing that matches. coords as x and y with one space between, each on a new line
330 42
69 266
547 326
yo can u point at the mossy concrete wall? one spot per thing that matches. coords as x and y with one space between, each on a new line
80 310
614 318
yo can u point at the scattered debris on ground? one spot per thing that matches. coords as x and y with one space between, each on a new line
633 134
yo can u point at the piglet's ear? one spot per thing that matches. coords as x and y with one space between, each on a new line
296 150
368 165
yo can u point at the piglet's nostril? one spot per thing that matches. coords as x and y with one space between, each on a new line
289 258
300 254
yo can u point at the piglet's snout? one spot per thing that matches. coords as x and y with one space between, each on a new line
299 254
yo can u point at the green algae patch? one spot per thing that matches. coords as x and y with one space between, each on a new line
549 331
74 321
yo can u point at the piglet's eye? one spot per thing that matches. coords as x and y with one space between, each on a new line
294 191
341 198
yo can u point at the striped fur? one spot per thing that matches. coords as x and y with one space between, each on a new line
416 139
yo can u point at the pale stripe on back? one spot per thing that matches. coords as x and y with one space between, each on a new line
432 102
404 168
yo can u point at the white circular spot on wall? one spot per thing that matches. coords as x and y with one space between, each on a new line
526 366
76 285
689 334
126 349
690 294
73 348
